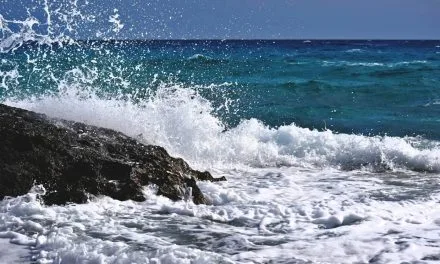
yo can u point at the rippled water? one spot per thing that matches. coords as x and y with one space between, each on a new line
329 147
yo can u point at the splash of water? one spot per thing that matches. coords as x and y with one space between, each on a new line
90 82
183 121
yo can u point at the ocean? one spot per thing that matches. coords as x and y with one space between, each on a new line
330 149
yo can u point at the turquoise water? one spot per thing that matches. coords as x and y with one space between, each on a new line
330 148
359 86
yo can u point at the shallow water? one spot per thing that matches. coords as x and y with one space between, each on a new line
330 148
282 214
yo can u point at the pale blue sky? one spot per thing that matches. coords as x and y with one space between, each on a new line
258 19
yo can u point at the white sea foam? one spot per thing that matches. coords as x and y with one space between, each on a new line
12 253
285 199
432 102
199 57
183 122
260 215
354 51
292 195
373 64
286 196
291 191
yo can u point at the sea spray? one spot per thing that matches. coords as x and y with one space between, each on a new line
182 121
330 147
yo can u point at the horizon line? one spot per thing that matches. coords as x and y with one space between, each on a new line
260 39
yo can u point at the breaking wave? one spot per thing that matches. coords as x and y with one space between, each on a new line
185 123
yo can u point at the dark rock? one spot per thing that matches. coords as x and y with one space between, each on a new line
73 160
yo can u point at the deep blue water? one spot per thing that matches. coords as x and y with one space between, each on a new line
357 86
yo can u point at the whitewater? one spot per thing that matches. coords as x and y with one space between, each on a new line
292 195
318 171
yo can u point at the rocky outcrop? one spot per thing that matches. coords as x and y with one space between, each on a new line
73 161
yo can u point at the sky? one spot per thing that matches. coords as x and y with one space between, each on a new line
242 19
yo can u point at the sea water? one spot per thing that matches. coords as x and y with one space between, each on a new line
330 147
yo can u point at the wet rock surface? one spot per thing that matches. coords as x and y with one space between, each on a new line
73 160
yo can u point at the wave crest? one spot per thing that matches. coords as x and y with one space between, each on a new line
185 123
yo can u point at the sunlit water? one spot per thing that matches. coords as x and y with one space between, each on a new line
329 147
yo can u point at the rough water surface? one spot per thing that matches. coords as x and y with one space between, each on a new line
330 147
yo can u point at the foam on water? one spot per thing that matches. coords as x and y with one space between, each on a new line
291 192
293 195
260 215
185 123
12 253
286 198
373 64
354 51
